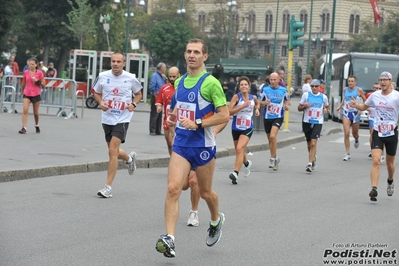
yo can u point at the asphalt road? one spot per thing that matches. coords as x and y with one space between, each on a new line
287 217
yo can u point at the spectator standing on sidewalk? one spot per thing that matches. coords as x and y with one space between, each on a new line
158 79
242 107
314 105
197 96
118 93
15 67
30 88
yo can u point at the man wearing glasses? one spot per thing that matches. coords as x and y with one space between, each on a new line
314 105
371 111
386 103
351 116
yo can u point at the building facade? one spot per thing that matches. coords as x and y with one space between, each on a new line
259 22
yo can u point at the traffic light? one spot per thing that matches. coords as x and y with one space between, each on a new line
295 33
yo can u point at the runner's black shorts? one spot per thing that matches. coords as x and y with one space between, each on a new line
119 131
269 123
312 131
237 133
33 99
391 142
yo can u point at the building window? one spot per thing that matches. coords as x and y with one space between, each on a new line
304 19
267 49
283 50
324 49
325 22
269 22
251 22
354 21
201 20
236 22
286 22
301 51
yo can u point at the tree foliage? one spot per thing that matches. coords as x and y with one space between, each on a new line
81 20
373 36
167 40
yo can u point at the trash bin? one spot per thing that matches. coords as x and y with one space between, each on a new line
63 74
258 120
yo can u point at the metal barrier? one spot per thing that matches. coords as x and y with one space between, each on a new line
13 93
59 94
83 101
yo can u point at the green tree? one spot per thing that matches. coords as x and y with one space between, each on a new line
372 36
167 40
81 20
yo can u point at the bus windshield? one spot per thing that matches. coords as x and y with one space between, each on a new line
367 71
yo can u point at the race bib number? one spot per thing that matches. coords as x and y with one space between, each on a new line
386 129
314 113
274 109
116 107
243 122
185 110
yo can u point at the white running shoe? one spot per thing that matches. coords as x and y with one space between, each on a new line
314 163
347 157
131 167
390 189
309 168
357 143
382 160
271 165
105 192
276 162
192 219
247 169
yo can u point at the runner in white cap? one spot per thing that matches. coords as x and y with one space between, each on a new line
386 102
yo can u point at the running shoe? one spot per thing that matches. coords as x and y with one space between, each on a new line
314 163
215 232
276 162
22 131
271 165
166 245
193 219
369 155
373 194
37 129
233 176
390 189
247 169
131 167
105 192
347 157
309 168
357 143
382 160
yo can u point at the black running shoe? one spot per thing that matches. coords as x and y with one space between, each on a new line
373 194
22 131
37 129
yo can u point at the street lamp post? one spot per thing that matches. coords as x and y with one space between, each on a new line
245 39
381 29
310 34
105 19
181 11
318 40
275 37
329 69
128 15
230 4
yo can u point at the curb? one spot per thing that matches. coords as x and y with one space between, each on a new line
15 175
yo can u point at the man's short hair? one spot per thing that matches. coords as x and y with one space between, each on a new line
160 65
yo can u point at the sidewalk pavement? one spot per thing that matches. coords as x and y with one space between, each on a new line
77 145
